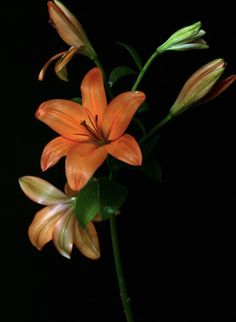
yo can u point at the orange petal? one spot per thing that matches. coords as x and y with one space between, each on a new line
65 26
93 93
54 150
45 67
61 63
41 191
86 240
63 116
82 162
41 229
120 112
125 149
63 233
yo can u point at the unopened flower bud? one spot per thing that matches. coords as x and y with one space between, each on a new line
198 86
186 38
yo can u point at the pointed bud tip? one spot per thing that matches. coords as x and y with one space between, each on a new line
140 94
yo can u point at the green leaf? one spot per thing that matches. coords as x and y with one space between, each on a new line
119 72
87 203
140 124
117 164
143 108
148 146
133 53
152 169
112 195
77 100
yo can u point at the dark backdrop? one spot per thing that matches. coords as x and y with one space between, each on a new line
177 238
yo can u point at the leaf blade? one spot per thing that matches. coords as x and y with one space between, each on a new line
118 72
87 203
133 53
112 195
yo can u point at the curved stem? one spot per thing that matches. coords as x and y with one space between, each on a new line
156 127
144 69
99 65
119 271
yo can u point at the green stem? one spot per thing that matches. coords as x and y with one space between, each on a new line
99 65
114 237
144 69
156 127
119 271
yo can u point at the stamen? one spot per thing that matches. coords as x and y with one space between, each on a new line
89 129
91 119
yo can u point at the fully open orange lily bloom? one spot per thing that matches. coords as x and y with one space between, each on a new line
71 31
90 132
57 220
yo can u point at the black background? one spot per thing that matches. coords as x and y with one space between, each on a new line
177 238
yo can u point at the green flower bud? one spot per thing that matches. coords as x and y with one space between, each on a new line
186 38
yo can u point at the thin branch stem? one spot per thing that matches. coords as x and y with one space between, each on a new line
144 69
156 127
119 271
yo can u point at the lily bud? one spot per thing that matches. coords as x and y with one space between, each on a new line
71 31
186 38
69 28
198 86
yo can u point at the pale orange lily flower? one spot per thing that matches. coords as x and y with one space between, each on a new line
90 132
57 221
71 31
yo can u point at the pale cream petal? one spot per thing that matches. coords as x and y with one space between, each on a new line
41 229
41 191
63 233
86 240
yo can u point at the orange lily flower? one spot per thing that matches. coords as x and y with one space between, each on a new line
57 221
90 132
71 31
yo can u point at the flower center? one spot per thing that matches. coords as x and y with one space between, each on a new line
93 131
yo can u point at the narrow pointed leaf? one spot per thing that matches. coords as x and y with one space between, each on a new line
112 196
87 203
118 165
77 100
140 124
143 108
148 146
133 53
119 72
152 169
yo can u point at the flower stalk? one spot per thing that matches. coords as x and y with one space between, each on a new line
144 69
119 271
